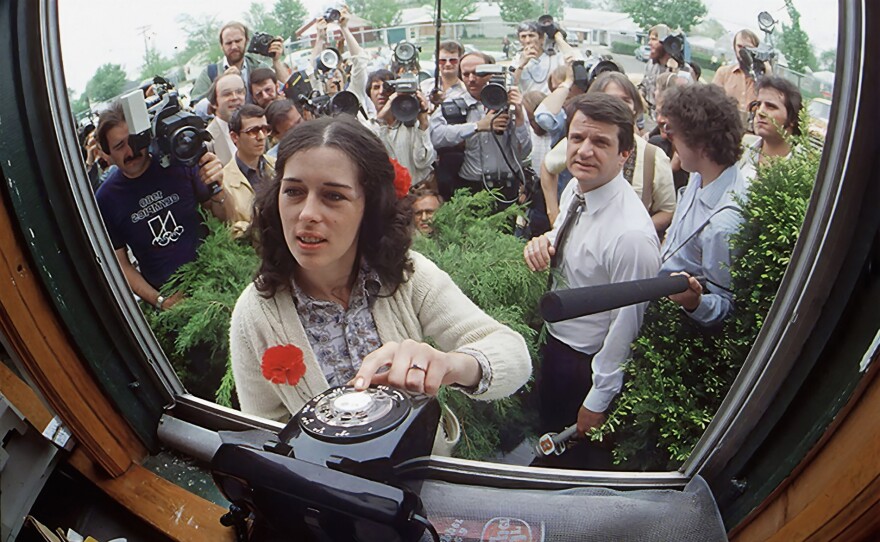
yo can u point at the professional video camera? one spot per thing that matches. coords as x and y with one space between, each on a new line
260 43
586 71
753 58
494 94
406 54
406 106
298 89
158 122
673 44
331 473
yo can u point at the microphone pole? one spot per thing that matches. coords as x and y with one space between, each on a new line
576 302
437 93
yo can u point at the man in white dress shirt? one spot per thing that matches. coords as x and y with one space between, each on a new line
608 239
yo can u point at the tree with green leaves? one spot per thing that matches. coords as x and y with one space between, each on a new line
683 14
455 10
290 15
155 63
515 11
202 37
382 13
794 43
78 104
259 19
108 82
828 60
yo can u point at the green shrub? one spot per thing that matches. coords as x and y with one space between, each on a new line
474 245
624 47
679 373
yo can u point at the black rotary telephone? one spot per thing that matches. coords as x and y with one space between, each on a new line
330 473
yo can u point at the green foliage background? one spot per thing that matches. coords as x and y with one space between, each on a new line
679 373
683 14
795 44
475 246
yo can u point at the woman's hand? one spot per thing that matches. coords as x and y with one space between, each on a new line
417 367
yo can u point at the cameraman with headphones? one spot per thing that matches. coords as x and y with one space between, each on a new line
495 144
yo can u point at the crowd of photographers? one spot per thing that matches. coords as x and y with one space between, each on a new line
635 181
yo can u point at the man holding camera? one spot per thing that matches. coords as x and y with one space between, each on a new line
402 125
544 49
736 78
263 86
450 83
234 38
664 48
494 146
153 210
603 236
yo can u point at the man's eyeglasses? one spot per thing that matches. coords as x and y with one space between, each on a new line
664 126
445 60
254 130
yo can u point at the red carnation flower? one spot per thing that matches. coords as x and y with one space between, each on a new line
402 179
283 364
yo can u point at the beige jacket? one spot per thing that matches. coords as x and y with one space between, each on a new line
240 190
428 304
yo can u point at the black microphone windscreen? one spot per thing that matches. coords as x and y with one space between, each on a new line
576 302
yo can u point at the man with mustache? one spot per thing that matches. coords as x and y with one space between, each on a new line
153 210
234 39
603 235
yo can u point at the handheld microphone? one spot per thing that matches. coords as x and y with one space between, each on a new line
576 302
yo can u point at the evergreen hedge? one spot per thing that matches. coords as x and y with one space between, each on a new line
679 373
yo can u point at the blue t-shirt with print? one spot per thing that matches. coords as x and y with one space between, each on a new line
156 215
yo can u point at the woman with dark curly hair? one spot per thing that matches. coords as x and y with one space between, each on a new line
705 128
339 295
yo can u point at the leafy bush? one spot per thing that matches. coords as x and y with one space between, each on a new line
679 373
473 244
195 332
624 47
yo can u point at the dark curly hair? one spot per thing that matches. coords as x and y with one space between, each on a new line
706 118
385 234
790 94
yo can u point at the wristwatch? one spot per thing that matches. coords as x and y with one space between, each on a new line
159 301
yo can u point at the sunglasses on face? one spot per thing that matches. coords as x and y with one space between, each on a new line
253 131
445 60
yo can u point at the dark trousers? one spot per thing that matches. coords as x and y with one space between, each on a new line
565 377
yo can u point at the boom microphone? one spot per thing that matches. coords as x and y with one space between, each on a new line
576 302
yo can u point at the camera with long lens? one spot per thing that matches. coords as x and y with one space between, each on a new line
406 106
586 71
332 472
406 54
176 136
260 43
673 44
494 94
298 89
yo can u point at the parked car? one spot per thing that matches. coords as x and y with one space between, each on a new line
643 52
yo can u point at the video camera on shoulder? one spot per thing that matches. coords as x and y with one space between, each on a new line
176 136
260 43
494 94
406 106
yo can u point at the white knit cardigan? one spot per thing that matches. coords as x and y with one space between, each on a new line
427 304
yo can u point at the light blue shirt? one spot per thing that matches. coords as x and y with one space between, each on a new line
707 252
553 124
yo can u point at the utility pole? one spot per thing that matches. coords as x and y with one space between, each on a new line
142 30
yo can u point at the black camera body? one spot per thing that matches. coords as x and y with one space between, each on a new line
332 15
330 474
549 28
494 94
586 71
174 135
454 111
406 106
260 43
673 44
755 57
